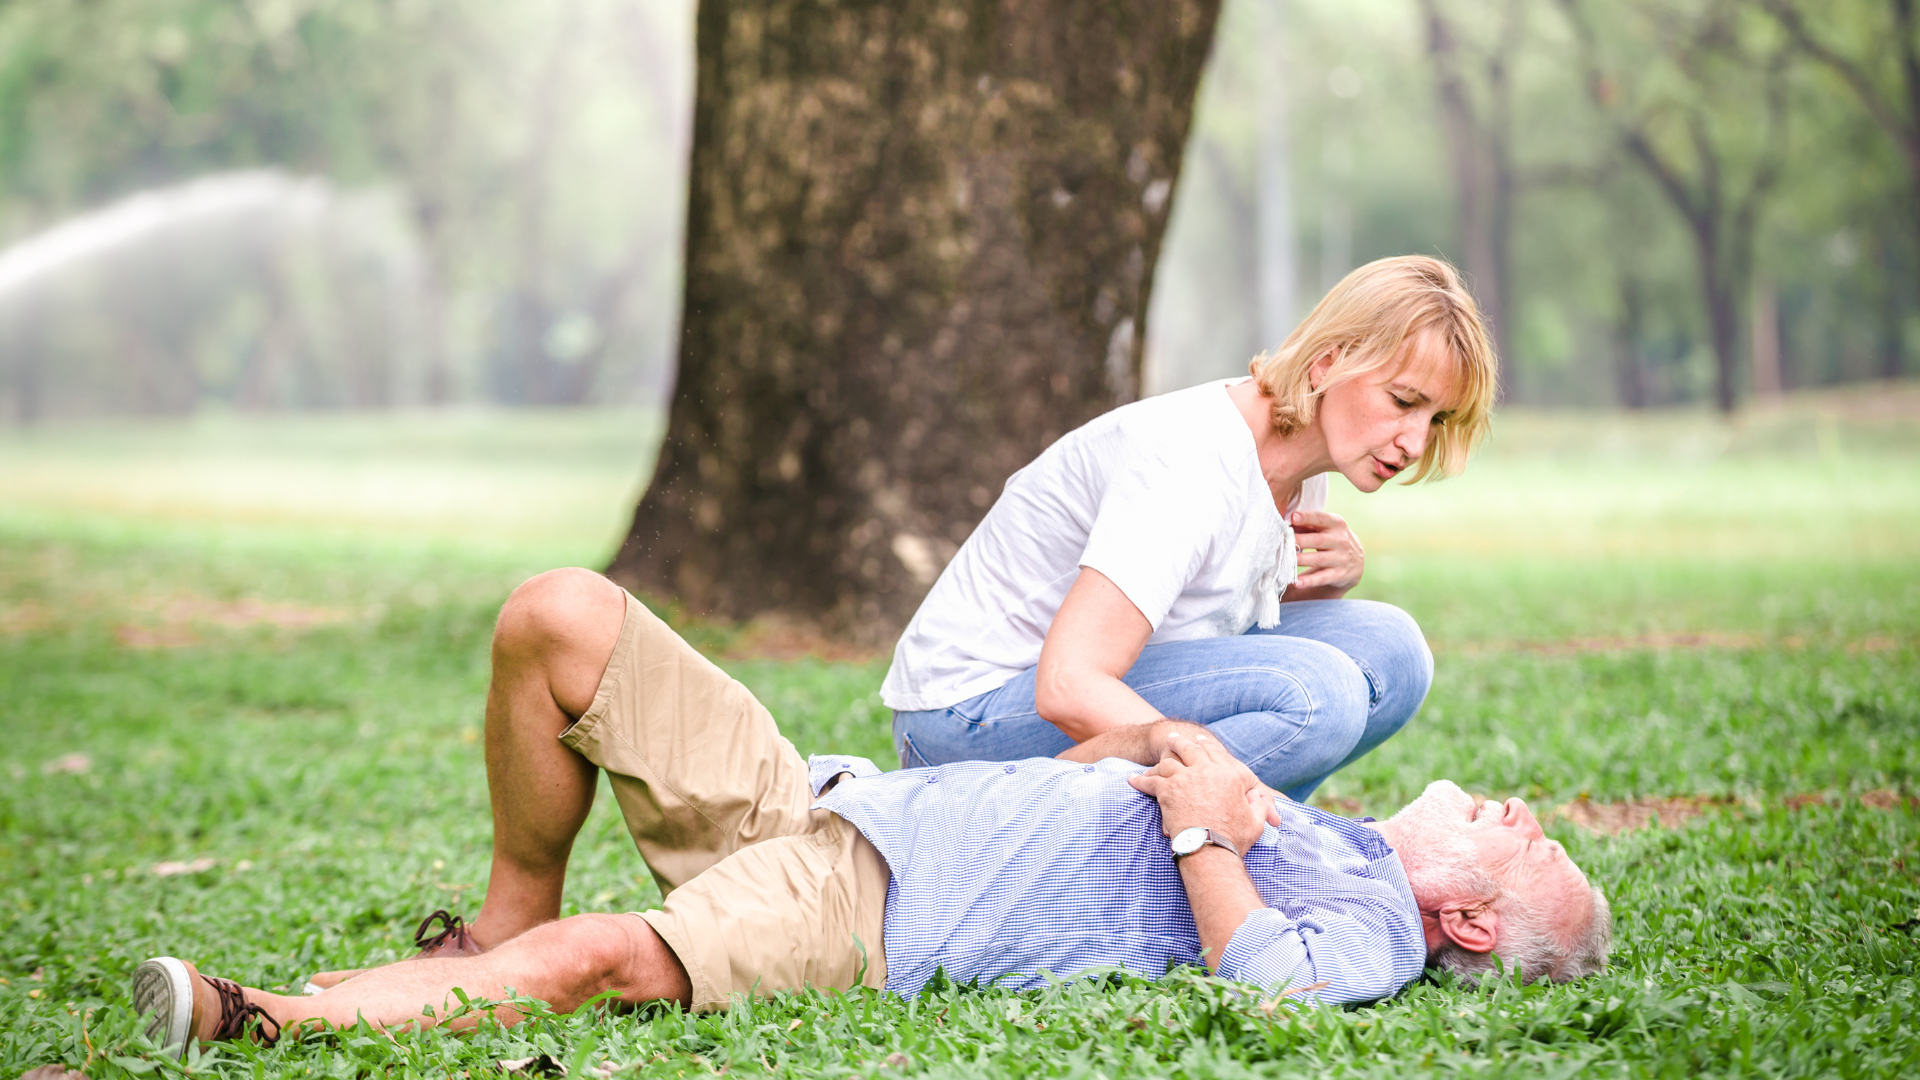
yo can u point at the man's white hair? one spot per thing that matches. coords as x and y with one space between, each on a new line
1529 944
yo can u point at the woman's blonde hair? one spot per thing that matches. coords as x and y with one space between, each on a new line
1365 322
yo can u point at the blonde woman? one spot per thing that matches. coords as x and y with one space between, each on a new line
1175 557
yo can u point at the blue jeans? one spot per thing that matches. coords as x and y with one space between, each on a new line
1296 703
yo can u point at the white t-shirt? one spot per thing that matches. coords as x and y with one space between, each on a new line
1163 496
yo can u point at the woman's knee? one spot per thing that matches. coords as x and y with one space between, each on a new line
1395 652
1300 715
1302 677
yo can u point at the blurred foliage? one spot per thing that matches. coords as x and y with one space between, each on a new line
1605 300
504 188
532 149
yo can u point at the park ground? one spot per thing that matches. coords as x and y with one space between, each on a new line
243 664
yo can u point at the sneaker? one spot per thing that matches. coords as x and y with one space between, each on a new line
178 1002
454 939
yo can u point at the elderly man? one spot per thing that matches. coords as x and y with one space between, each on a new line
1145 847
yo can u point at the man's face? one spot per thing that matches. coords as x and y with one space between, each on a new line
1447 841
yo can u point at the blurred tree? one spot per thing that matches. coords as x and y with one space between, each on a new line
1874 49
1697 96
1472 48
534 147
921 238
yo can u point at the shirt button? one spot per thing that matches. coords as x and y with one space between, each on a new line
1009 770
1086 768
933 778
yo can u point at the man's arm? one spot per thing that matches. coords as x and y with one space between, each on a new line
1198 783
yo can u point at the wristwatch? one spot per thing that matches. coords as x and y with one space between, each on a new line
1188 841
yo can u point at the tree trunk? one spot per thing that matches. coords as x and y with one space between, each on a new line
1276 268
1723 316
920 240
1893 351
1479 142
1628 330
1769 379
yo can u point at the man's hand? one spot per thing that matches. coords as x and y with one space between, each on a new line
1331 554
1198 783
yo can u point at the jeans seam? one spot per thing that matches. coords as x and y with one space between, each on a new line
1299 729
907 747
1376 692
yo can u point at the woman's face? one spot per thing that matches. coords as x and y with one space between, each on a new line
1379 424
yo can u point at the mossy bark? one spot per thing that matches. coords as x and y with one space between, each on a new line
920 240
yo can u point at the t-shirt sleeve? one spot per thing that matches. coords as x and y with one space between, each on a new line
1159 518
1344 949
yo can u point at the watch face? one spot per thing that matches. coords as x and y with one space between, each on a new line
1188 841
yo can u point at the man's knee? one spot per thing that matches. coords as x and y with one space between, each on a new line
557 609
621 953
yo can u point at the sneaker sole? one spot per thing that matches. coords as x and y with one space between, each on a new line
163 992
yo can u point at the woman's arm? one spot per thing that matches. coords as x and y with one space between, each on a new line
1095 637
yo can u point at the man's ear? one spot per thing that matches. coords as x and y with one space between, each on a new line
1471 924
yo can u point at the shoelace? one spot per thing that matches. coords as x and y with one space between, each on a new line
236 1010
455 930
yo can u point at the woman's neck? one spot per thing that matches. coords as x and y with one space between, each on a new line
1285 460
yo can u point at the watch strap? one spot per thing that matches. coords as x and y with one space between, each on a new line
1213 838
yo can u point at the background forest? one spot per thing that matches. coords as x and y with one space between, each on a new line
368 203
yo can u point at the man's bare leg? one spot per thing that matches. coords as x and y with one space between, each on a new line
551 645
562 963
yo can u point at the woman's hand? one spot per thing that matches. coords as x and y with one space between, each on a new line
1331 555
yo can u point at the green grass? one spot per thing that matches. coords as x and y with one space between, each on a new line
332 774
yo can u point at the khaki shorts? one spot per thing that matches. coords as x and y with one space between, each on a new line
763 892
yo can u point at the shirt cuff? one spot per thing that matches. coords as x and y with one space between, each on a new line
1266 950
824 767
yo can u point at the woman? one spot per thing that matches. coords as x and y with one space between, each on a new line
1175 557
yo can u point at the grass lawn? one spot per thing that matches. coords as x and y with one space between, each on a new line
243 666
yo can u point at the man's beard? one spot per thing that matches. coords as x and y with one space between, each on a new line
1430 836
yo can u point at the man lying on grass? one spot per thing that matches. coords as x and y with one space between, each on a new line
780 873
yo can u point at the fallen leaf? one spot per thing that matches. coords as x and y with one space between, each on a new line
169 869
53 1072
68 763
25 618
145 637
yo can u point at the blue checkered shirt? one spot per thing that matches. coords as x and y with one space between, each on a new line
1003 871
